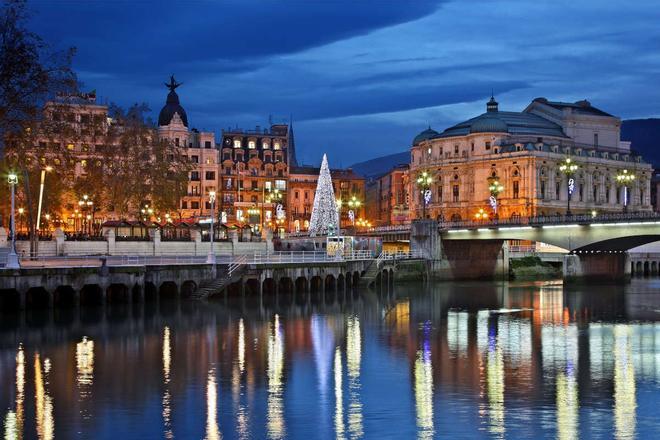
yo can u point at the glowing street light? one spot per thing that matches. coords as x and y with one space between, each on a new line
481 214
569 168
424 181
624 179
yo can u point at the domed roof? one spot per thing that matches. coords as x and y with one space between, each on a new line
488 124
427 134
172 106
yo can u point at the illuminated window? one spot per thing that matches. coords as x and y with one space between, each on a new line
280 184
70 147
252 145
83 163
237 143
276 146
265 145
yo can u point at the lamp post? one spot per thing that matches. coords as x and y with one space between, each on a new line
41 194
86 204
624 178
495 188
211 257
569 168
12 257
424 183
353 204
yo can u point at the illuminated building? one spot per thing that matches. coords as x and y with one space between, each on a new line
387 197
523 152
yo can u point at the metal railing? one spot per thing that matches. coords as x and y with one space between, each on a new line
309 257
552 220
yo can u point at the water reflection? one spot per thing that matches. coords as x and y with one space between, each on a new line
43 400
167 361
424 386
276 426
625 402
468 360
353 361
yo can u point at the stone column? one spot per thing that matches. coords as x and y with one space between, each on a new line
196 236
269 241
155 238
3 237
60 238
596 267
110 239
233 236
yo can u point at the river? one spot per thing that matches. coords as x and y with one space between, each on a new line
451 360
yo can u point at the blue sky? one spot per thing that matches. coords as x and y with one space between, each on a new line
360 77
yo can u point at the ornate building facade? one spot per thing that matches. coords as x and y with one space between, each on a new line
201 151
519 159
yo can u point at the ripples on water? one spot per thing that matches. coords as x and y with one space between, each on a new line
461 360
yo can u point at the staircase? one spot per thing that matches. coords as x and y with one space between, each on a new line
228 275
371 274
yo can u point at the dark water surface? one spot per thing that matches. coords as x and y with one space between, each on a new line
453 360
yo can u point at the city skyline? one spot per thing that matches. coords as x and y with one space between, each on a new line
434 64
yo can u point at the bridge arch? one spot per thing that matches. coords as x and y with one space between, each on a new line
64 296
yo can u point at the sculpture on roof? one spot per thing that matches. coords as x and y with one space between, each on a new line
172 84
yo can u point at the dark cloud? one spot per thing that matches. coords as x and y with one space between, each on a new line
143 36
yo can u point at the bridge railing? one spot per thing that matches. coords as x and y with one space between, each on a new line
552 220
309 257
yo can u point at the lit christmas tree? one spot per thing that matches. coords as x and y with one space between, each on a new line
325 219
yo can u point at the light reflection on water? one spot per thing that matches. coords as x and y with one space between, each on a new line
477 360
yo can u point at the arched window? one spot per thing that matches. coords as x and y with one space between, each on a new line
456 217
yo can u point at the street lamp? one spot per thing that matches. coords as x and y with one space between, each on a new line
353 204
569 168
211 257
86 204
495 188
624 178
424 183
12 257
481 214
41 194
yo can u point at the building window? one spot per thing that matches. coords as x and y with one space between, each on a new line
265 145
472 146
194 176
207 144
306 195
296 195
607 194
255 185
487 145
194 159
581 192
252 145
237 143
455 149
439 191
516 189
210 175
557 191
280 184
228 171
455 193
276 146
176 141
226 156
595 139
194 205
184 204
543 189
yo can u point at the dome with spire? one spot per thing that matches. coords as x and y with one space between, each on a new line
172 106
425 135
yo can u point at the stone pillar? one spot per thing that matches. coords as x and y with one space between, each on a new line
600 267
270 247
110 239
197 238
155 238
60 238
4 236
233 237
425 239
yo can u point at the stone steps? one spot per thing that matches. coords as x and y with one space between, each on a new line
215 286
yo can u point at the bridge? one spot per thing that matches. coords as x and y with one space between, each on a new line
597 244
